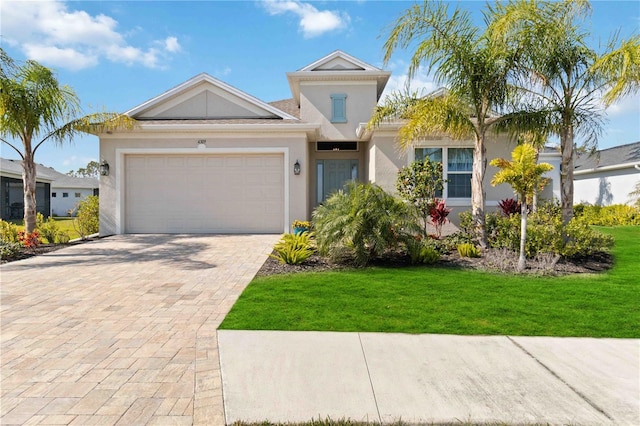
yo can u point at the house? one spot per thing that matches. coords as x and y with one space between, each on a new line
12 190
207 157
607 176
56 193
67 191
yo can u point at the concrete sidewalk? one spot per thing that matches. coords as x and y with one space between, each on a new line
297 376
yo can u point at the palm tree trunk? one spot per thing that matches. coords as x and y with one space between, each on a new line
522 261
29 182
477 193
566 174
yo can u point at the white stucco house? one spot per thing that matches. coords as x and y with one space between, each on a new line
67 192
607 176
207 157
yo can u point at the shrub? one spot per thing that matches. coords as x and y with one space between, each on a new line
9 249
422 252
439 212
48 229
62 237
509 206
468 250
87 220
451 242
293 249
8 232
29 240
418 183
363 221
616 214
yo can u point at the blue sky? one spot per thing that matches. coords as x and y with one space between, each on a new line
116 55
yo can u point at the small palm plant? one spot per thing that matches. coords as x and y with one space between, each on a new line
524 175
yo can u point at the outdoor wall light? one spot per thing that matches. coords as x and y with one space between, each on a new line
296 168
104 168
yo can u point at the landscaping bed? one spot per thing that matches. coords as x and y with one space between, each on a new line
492 260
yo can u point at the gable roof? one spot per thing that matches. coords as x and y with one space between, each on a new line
205 97
337 66
618 156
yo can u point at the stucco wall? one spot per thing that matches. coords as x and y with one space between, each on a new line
61 205
605 188
111 199
315 106
385 159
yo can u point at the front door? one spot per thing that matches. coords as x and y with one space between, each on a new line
331 175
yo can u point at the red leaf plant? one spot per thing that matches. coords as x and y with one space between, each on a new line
439 213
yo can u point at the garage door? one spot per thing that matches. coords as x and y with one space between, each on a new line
230 193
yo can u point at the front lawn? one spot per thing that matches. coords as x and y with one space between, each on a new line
64 224
451 301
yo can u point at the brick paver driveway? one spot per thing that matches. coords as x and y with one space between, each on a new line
121 330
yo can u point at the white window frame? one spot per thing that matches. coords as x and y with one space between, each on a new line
411 156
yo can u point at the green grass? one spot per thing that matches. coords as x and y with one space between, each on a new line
451 301
64 224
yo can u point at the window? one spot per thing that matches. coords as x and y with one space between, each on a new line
339 108
54 195
457 165
78 195
65 195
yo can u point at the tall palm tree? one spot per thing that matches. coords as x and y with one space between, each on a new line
474 68
35 108
568 81
524 174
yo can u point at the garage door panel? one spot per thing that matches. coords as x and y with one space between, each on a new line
204 193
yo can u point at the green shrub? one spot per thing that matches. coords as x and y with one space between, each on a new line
422 251
293 249
62 237
616 214
468 250
362 221
8 249
584 240
48 229
87 220
8 232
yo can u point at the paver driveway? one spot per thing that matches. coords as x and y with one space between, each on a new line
121 330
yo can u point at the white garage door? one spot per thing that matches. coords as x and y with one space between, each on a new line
227 193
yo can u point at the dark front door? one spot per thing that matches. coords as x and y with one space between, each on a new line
332 175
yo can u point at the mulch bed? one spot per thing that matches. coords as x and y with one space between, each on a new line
490 260
41 249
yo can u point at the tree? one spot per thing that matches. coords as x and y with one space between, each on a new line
567 81
35 108
475 70
92 170
418 184
524 174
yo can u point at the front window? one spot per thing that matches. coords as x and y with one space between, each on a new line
457 165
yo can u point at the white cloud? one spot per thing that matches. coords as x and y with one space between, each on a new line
421 82
313 22
171 44
626 105
49 32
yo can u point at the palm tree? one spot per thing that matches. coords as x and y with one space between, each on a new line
475 70
35 108
524 174
569 82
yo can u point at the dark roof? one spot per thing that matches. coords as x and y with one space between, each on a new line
622 154
287 105
58 180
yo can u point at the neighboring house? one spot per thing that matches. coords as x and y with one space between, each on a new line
56 193
12 190
67 191
209 158
607 176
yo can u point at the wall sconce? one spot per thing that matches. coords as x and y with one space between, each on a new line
104 168
296 168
